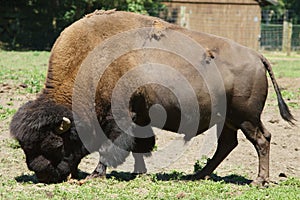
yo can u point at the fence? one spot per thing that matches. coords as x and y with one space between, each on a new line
272 37
278 32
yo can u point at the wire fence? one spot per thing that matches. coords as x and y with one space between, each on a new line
273 31
272 37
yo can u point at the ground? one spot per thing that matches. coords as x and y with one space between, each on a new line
285 153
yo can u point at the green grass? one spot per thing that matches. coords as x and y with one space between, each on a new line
285 66
6 112
22 73
147 187
280 55
23 68
290 97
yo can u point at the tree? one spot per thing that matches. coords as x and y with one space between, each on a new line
289 8
35 24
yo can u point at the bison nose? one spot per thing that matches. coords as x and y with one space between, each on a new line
54 174
45 171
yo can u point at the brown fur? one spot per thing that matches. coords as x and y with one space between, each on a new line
242 69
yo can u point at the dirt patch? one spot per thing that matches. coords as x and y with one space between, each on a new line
285 149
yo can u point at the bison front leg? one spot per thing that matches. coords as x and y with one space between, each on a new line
139 163
141 149
99 172
226 143
260 138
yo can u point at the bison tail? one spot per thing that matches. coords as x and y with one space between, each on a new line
283 108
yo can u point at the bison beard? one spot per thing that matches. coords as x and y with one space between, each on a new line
45 127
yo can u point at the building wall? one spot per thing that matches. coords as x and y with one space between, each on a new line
235 19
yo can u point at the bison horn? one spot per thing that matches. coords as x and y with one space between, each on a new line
64 126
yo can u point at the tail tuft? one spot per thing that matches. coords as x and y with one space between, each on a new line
283 108
285 111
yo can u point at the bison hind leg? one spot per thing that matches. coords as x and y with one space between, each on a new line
260 137
226 143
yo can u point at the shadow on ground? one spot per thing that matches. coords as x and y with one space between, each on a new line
127 176
27 179
234 179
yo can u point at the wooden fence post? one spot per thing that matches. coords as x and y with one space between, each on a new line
287 35
184 17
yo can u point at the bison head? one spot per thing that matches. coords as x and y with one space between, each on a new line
47 135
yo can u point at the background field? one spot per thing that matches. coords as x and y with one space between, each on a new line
22 75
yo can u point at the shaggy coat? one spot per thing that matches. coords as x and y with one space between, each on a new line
53 151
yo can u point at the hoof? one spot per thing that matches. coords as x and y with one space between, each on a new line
96 175
201 176
138 172
260 182
197 176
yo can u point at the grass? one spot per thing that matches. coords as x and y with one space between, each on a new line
22 73
25 69
147 187
290 96
28 69
284 66
6 112
281 55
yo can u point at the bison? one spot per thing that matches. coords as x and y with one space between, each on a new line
229 84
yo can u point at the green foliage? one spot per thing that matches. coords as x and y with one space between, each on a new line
149 7
290 8
35 24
